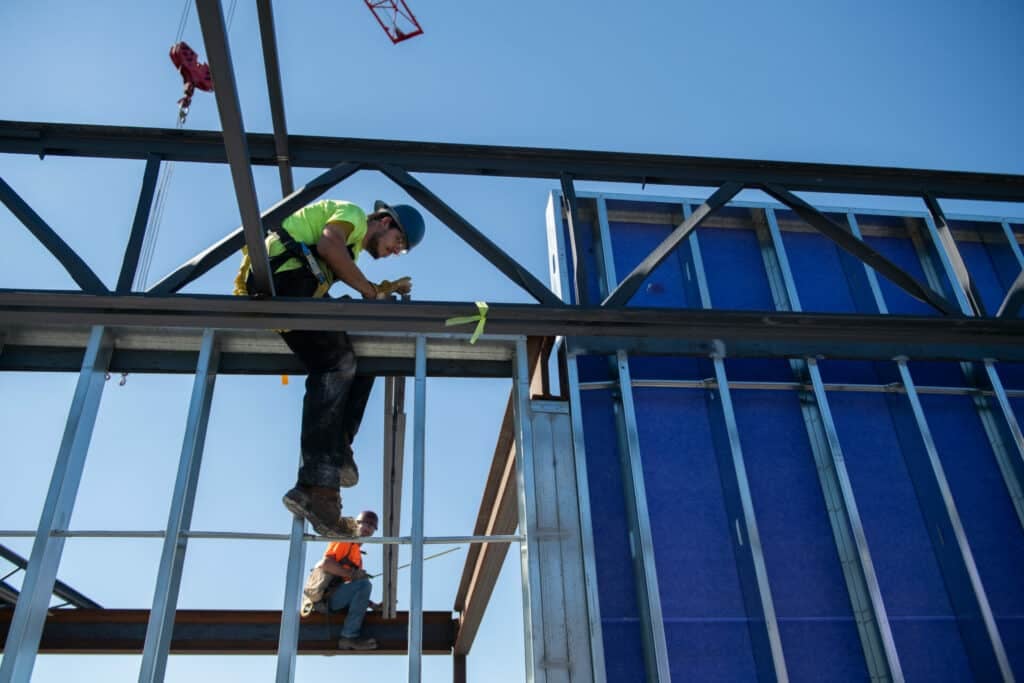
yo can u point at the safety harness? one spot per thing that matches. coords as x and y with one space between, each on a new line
306 255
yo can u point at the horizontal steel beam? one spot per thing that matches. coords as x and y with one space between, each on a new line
120 631
641 330
119 142
251 352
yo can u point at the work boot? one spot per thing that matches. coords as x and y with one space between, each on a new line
321 507
357 643
349 471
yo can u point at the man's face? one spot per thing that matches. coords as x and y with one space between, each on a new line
366 528
387 242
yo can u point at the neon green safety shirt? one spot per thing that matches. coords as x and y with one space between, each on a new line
306 226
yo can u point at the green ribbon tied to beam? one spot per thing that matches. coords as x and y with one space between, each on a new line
480 319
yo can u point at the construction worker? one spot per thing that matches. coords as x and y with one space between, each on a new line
314 247
351 586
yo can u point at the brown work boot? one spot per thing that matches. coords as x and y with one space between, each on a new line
321 507
349 471
357 643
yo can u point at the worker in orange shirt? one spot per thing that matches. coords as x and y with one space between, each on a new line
351 587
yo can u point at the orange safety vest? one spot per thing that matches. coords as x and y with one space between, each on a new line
346 554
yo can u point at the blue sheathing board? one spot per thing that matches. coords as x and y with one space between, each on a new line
736 280
923 624
816 621
824 283
987 514
671 285
901 252
619 621
702 604
704 581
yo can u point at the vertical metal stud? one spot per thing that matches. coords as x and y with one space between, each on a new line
982 641
30 613
288 636
533 624
556 242
645 574
418 462
172 559
394 457
872 619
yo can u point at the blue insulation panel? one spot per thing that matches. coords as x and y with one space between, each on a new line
710 599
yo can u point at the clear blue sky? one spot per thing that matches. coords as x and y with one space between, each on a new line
914 84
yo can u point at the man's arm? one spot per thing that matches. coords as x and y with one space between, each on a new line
332 248
335 568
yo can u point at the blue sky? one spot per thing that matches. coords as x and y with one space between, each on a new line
913 84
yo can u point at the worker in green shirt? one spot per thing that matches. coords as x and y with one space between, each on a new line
315 247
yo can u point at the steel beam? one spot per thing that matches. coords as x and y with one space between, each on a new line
72 262
206 260
172 559
394 458
529 566
845 239
218 632
419 445
628 286
471 236
60 589
211 20
643 330
138 233
288 635
27 622
270 63
38 139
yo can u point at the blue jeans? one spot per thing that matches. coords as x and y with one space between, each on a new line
355 596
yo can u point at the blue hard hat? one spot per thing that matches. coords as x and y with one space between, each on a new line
408 219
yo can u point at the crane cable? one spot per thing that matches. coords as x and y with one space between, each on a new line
157 214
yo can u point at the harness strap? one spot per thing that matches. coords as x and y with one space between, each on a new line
306 254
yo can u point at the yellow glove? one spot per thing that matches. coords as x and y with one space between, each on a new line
386 288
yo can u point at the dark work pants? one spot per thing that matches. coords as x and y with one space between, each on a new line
335 397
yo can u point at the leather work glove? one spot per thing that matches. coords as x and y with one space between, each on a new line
386 288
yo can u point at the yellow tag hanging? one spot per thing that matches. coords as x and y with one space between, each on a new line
480 319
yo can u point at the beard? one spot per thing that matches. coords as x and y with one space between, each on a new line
372 245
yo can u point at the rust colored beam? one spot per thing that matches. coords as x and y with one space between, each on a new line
123 631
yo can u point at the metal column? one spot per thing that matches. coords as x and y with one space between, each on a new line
560 283
172 559
652 625
869 611
30 613
394 457
533 623
416 548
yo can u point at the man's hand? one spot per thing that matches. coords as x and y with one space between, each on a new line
386 288
359 575
376 606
